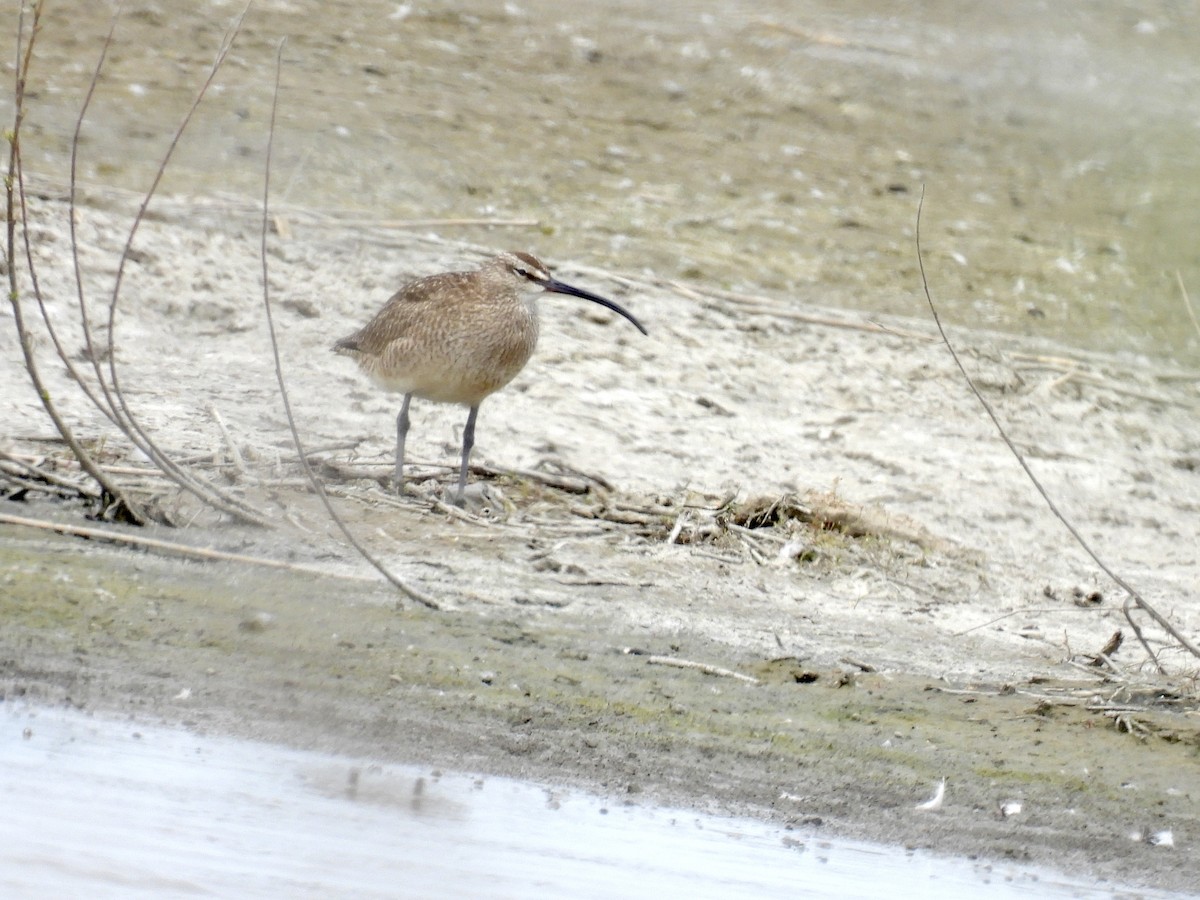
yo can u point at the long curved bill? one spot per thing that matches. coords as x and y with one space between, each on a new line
558 287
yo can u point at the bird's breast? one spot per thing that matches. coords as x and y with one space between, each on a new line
457 359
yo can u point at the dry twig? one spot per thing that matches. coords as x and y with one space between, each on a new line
113 500
1187 302
1133 598
171 547
707 669
129 423
404 587
106 394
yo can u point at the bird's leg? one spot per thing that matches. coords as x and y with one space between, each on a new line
468 443
401 434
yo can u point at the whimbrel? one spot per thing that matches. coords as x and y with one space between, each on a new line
458 337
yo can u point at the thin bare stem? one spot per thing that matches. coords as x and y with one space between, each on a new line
108 407
115 502
1187 301
171 547
405 588
125 418
1137 599
105 407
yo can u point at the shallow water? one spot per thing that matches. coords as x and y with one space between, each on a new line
106 808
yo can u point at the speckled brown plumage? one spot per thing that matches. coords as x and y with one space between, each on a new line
450 338
458 337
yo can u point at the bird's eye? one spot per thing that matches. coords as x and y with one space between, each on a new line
524 273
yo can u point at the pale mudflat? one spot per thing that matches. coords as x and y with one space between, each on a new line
965 600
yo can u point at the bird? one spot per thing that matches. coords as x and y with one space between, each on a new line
458 337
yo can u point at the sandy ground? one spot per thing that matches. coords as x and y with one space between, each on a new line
939 636
771 487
